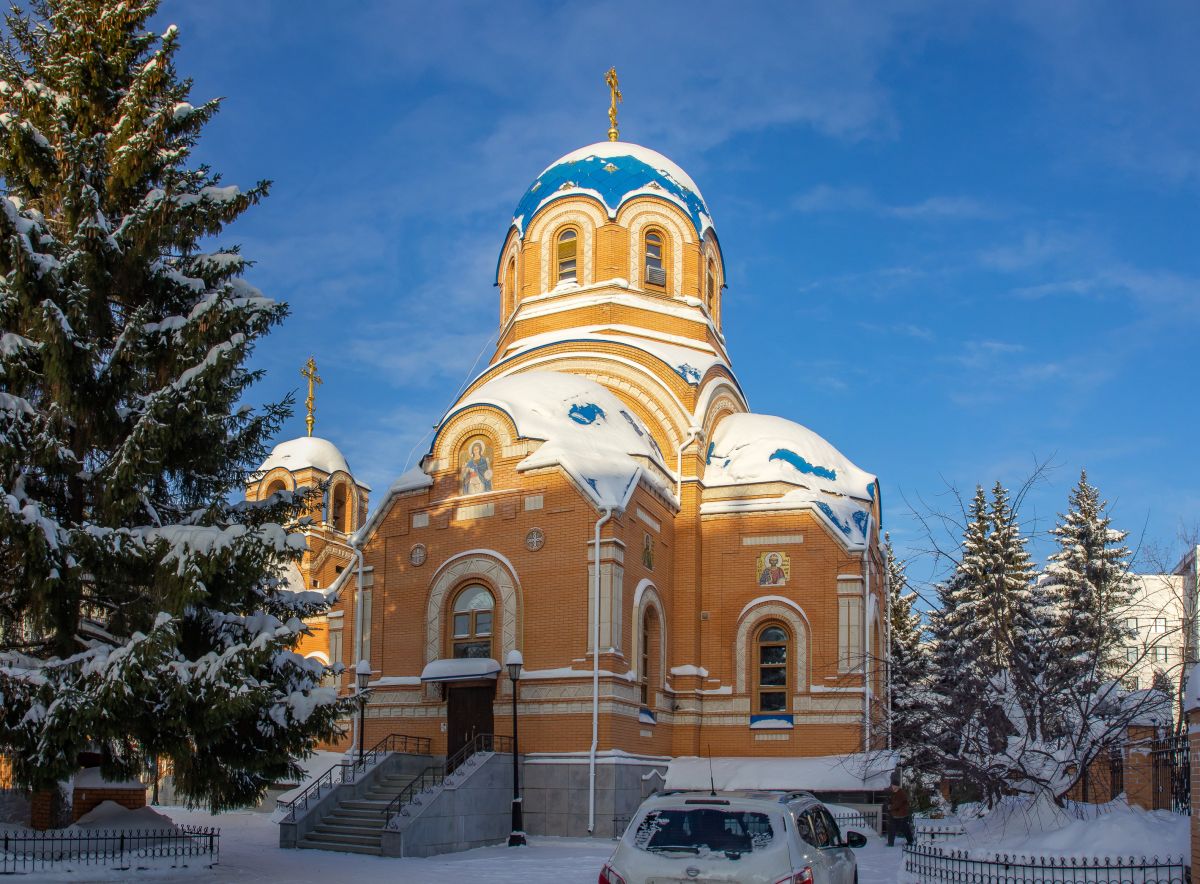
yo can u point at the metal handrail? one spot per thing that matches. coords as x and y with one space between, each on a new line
349 771
435 775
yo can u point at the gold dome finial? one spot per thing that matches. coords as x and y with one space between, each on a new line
611 79
310 371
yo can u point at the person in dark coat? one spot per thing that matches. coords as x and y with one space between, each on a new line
899 815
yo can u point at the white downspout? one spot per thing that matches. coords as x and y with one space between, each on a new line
358 622
887 655
693 433
867 647
608 511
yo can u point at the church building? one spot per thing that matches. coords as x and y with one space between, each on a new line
682 576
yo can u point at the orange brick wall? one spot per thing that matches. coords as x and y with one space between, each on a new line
85 800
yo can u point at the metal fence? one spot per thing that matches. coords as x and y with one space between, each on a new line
930 864
1172 779
937 832
29 851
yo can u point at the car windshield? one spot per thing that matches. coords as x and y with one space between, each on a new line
703 830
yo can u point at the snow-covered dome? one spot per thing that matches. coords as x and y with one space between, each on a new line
747 448
307 451
613 172
588 431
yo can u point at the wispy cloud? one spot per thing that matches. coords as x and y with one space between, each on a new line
825 198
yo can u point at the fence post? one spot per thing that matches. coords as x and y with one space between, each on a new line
1139 766
1193 722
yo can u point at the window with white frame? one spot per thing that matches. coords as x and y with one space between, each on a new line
1160 654
1131 623
1160 625
850 633
1131 655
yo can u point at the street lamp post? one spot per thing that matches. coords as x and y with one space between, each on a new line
516 838
362 675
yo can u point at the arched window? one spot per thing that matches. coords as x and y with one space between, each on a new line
568 242
277 485
340 517
510 288
771 671
656 274
710 286
647 677
471 625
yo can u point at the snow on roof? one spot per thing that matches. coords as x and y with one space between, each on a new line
870 772
849 519
586 429
307 451
749 448
293 580
613 172
690 359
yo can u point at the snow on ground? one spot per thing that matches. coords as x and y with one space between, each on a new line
250 855
1022 826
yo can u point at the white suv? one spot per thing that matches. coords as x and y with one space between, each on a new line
751 837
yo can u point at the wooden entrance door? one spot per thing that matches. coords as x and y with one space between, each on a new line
468 714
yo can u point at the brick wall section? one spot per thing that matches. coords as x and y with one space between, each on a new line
86 800
1139 767
41 810
1193 720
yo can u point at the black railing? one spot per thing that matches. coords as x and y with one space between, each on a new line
1172 779
930 864
435 775
481 743
349 771
426 780
937 833
28 851
857 819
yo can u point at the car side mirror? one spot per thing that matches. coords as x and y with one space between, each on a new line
856 839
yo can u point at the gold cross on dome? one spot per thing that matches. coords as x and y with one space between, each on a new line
615 92
310 371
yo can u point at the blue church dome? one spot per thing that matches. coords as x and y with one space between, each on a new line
613 172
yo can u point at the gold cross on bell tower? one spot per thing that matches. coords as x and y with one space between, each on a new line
310 371
615 92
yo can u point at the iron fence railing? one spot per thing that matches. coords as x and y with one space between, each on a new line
857 819
23 851
349 771
930 864
1172 779
435 775
937 832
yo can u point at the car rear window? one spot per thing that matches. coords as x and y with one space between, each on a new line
704 830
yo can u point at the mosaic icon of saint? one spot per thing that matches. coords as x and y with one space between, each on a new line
772 574
475 474
648 552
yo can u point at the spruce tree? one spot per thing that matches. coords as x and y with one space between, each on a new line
908 661
1089 574
1013 614
140 611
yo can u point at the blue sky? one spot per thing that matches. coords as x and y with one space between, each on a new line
960 238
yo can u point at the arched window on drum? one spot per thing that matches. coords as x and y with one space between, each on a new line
567 256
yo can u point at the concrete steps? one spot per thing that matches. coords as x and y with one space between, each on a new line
356 825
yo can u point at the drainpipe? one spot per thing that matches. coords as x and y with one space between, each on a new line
358 617
608 511
866 646
693 433
887 654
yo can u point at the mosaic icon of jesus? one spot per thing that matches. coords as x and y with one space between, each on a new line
475 470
